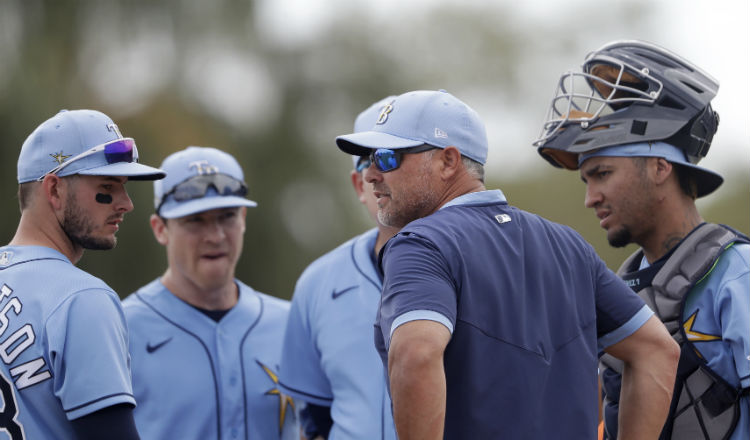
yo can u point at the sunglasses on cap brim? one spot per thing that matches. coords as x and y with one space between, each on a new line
197 187
386 159
118 150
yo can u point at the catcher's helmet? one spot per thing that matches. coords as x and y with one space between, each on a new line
630 91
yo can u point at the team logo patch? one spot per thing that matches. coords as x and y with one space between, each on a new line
203 167
440 133
59 157
383 116
5 258
696 336
284 400
502 218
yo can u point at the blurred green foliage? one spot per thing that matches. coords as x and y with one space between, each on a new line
178 73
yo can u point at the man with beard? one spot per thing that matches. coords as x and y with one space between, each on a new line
206 346
491 317
63 341
636 121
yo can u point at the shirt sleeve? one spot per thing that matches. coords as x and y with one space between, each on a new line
733 305
425 291
619 310
113 423
88 350
301 374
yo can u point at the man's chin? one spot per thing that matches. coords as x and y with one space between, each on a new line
619 238
98 244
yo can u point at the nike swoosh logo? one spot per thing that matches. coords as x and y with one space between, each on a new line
152 348
335 294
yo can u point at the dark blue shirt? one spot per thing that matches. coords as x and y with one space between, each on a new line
529 305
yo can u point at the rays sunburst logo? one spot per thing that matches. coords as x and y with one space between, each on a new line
284 400
59 157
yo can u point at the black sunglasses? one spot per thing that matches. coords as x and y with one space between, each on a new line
197 186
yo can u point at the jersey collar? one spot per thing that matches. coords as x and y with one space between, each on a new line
362 251
478 198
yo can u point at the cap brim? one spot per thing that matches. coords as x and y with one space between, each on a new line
175 209
132 170
361 143
706 180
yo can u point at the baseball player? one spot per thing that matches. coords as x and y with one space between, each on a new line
205 347
63 340
329 360
491 317
637 123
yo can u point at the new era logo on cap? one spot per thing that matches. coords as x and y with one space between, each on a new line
421 117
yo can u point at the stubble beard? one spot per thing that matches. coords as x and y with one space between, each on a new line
620 238
79 228
632 206
415 201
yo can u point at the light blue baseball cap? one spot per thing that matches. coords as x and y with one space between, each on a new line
422 117
366 119
706 180
199 179
71 133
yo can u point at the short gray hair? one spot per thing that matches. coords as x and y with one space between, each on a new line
474 168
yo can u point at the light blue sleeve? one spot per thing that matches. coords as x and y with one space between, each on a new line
301 374
735 322
718 313
733 303
421 315
88 350
626 329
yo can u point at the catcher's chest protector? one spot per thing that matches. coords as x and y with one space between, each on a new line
704 405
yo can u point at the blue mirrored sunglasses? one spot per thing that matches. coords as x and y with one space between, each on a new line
362 163
118 150
386 159
197 186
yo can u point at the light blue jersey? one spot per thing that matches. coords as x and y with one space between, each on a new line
63 345
717 320
329 358
196 378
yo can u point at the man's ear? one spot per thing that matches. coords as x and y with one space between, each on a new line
159 228
243 214
663 169
358 183
450 161
55 190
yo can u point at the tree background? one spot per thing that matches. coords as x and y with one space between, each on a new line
273 82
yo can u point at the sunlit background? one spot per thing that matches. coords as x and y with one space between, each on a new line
274 81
